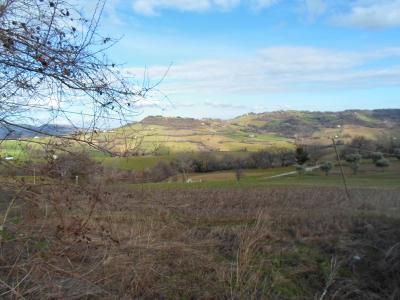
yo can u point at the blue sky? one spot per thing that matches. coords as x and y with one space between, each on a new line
230 57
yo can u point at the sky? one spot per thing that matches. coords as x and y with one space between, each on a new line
224 58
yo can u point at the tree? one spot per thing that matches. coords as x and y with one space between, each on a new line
183 164
354 161
382 163
326 167
52 60
376 156
286 157
238 173
70 165
161 171
262 159
362 145
301 155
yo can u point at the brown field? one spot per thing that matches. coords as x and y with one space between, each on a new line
97 242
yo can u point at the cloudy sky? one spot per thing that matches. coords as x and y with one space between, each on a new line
223 58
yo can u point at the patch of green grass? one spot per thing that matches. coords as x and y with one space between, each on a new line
369 178
135 163
14 148
367 119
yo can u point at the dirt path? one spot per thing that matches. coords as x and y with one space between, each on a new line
309 169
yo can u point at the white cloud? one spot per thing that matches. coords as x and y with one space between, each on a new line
281 69
350 13
214 104
153 7
145 102
371 14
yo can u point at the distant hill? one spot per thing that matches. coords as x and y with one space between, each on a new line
29 131
251 132
303 123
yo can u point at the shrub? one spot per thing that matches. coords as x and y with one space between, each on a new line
382 163
161 171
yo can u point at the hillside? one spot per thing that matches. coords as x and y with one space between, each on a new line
28 131
252 132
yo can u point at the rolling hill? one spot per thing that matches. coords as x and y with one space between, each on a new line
251 132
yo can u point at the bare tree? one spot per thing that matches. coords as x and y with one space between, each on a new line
184 164
52 61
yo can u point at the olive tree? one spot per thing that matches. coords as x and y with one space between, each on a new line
382 163
354 161
326 167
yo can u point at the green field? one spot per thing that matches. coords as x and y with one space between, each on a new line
14 148
136 163
369 176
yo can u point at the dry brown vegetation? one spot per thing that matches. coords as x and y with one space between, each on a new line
97 242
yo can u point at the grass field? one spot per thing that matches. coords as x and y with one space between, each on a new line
136 163
290 237
368 176
114 242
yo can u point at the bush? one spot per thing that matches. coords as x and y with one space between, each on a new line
161 171
382 163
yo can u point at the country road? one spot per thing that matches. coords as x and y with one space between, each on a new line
309 169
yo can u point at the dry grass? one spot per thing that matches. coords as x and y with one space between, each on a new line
67 242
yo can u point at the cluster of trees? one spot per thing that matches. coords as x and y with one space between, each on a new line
362 148
210 162
366 147
69 165
354 160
